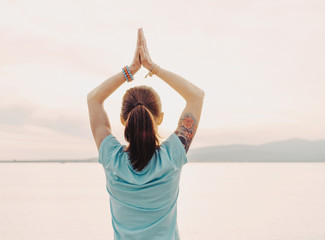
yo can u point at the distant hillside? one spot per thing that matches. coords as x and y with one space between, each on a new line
293 150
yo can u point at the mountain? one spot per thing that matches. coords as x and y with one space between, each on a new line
293 150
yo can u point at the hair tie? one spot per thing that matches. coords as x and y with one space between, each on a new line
139 103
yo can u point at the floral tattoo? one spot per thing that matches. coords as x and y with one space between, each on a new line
187 126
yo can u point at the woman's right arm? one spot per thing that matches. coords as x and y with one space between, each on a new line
190 117
194 96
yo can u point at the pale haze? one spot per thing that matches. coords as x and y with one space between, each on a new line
260 63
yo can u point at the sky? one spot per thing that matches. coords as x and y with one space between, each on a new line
260 63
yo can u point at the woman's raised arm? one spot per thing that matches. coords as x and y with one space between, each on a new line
99 122
190 117
192 94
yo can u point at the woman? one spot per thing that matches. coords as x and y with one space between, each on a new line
142 178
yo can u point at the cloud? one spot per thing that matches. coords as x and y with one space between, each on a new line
63 123
20 48
64 120
260 62
16 114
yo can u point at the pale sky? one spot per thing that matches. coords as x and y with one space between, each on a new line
260 63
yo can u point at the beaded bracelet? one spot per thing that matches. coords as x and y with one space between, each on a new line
153 70
127 74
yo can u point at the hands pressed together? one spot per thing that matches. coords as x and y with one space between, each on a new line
141 55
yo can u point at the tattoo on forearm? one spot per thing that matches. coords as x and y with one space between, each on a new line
187 126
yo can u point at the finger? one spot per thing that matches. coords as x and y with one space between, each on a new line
137 51
138 55
145 42
141 52
143 39
139 38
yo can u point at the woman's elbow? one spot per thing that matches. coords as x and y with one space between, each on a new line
200 93
88 95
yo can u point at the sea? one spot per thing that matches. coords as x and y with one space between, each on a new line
217 201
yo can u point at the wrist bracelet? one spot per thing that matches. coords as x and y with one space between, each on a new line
127 74
153 70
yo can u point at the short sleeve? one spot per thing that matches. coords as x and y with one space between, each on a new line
107 148
175 150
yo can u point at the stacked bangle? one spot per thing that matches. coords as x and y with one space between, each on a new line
153 70
127 74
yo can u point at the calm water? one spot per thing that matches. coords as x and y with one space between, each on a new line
223 201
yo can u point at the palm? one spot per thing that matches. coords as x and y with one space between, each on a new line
136 63
144 53
141 56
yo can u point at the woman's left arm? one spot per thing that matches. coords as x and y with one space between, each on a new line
99 121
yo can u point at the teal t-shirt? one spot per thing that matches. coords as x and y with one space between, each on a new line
143 204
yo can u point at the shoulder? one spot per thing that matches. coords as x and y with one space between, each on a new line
108 148
175 149
172 139
105 140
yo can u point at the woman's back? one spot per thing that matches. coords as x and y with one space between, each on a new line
143 177
143 204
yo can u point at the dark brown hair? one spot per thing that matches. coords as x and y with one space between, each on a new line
140 106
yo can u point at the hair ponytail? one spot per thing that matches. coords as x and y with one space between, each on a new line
139 126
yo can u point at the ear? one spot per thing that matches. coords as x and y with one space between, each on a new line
122 120
161 117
